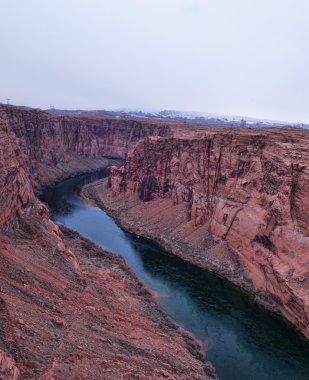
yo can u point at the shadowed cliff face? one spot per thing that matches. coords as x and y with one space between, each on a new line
240 198
69 309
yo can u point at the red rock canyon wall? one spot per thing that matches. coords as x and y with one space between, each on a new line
239 198
68 309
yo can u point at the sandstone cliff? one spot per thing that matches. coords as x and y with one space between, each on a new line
17 194
234 201
44 149
56 147
69 309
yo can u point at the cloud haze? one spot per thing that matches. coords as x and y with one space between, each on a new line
234 57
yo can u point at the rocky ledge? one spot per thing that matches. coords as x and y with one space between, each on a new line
234 201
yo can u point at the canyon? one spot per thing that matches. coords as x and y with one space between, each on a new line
231 200
70 309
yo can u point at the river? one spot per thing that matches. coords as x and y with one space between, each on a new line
241 339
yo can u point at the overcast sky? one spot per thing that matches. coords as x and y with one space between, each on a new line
233 57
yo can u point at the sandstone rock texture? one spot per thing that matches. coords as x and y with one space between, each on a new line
46 149
234 201
60 146
8 369
68 309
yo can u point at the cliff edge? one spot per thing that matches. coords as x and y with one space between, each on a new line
234 201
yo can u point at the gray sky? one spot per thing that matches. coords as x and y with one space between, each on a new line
238 57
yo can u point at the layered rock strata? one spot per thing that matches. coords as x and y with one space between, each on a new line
60 146
70 310
233 201
48 148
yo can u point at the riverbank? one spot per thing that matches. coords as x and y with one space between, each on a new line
68 308
241 339
73 310
147 220
125 330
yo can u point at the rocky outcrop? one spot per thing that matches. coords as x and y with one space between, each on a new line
16 194
234 201
68 309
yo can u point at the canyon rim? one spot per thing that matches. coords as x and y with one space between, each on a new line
154 190
230 200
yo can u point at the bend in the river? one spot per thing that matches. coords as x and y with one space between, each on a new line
241 339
